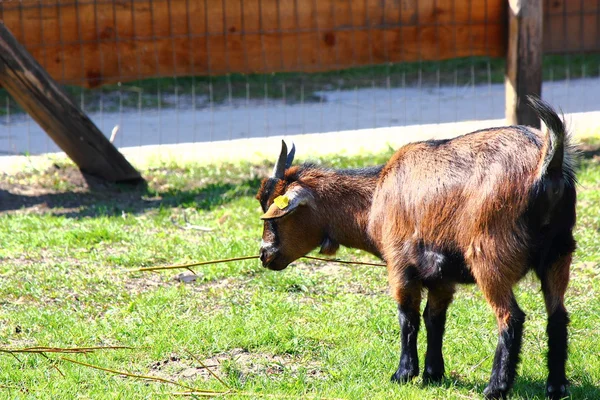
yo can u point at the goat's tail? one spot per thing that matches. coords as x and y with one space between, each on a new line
560 153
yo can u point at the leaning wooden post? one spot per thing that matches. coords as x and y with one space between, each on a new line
523 60
47 103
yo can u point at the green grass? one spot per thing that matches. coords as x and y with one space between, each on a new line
312 329
302 87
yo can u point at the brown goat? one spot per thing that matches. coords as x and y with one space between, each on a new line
484 208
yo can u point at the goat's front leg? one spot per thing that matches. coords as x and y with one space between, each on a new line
438 300
408 296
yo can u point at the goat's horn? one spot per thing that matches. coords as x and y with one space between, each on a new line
279 168
290 156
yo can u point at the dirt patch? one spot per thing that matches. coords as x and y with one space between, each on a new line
18 343
327 269
45 258
148 282
61 189
364 290
222 285
55 178
238 362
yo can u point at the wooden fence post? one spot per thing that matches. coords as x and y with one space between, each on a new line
523 60
47 103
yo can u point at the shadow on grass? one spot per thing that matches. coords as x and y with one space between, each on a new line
527 388
590 148
590 152
96 198
65 191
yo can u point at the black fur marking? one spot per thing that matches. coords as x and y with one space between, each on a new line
559 147
492 129
436 142
267 192
556 385
367 171
526 132
373 171
436 265
546 114
520 129
543 208
434 360
549 242
431 263
409 359
271 226
561 244
411 274
329 246
507 356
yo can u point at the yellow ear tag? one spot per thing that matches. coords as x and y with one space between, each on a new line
282 201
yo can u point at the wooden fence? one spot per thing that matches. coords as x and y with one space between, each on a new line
91 43
571 26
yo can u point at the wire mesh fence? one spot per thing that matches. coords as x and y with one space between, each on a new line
181 71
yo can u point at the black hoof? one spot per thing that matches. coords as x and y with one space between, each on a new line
432 377
403 376
557 392
494 392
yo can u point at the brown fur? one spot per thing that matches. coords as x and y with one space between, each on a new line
466 195
336 220
556 283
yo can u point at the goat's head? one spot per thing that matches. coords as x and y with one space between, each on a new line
290 230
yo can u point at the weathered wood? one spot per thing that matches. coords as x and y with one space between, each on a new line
58 115
105 41
523 60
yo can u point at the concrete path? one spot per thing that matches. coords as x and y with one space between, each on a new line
361 120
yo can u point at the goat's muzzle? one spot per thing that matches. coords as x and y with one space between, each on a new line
270 259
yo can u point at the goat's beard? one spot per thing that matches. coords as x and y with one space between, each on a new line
329 247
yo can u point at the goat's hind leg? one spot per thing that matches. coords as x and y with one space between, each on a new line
438 300
408 295
554 285
510 333
497 289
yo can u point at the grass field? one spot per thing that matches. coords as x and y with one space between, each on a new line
315 329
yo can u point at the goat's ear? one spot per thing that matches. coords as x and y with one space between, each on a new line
285 204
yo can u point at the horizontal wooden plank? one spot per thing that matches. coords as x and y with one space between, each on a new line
106 41
571 26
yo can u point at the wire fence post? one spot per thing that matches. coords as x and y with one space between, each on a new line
523 60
